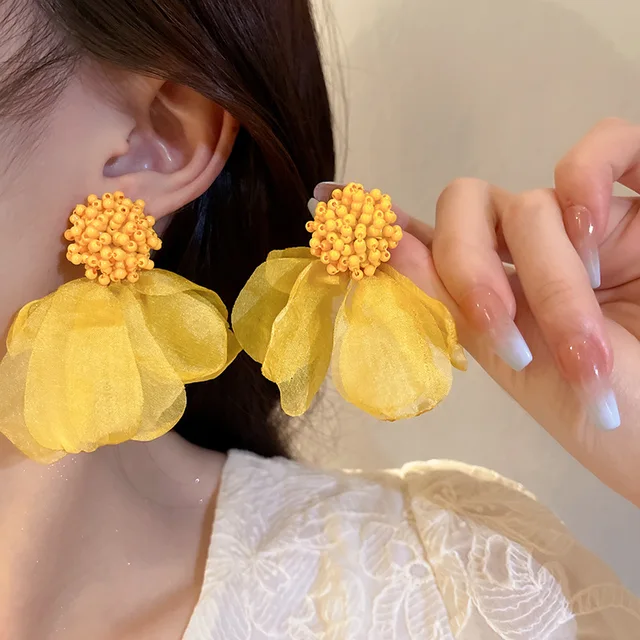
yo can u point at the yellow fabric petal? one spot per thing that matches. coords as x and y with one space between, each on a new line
188 322
390 355
83 387
263 298
299 352
440 314
89 366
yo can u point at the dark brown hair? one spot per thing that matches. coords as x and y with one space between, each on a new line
259 60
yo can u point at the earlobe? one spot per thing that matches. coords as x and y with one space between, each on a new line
175 152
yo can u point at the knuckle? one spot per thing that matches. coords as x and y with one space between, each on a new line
612 123
552 295
462 186
528 203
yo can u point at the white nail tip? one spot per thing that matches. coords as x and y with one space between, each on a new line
513 350
311 205
604 412
593 269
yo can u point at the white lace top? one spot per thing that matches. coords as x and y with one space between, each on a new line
434 552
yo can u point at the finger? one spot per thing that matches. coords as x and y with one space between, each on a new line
584 181
465 252
561 299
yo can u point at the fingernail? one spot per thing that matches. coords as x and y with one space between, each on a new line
488 315
323 190
585 363
580 229
311 205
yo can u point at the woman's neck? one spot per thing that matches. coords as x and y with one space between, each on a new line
122 530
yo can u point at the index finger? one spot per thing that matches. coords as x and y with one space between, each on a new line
609 153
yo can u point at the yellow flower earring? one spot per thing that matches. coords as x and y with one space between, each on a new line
105 358
390 346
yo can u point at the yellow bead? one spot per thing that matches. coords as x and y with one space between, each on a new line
348 250
376 194
106 253
350 220
133 277
119 255
354 262
119 265
332 270
93 262
139 236
357 275
92 198
332 237
119 274
321 230
358 197
130 247
91 274
390 217
118 196
92 233
342 211
334 255
360 247
317 252
372 243
332 205
356 208
339 245
366 219
385 257
369 270
95 246
383 245
105 266
69 235
314 243
151 220
325 245
104 280
129 228
150 265
324 258
331 225
90 213
75 258
361 232
392 244
387 231
337 194
374 257
108 202
310 226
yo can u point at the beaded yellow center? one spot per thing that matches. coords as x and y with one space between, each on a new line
355 231
112 237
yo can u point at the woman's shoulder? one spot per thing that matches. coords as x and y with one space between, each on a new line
432 545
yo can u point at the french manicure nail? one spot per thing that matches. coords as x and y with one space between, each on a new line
488 315
584 362
311 205
580 229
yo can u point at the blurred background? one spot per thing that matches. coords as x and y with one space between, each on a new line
429 90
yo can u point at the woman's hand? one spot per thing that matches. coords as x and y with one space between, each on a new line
568 354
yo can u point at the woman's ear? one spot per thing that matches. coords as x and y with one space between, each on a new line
180 144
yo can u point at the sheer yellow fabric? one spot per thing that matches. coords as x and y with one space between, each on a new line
90 366
393 345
